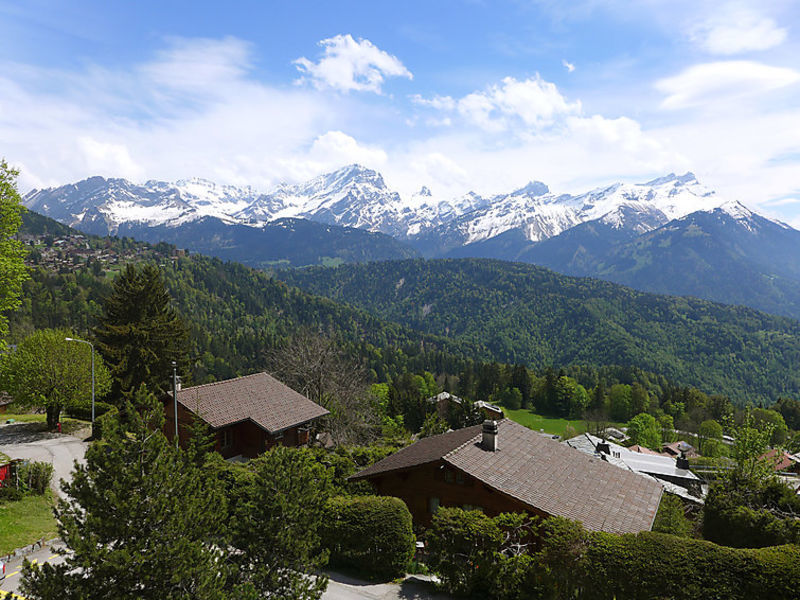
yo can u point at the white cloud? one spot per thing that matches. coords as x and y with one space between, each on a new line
734 28
109 157
533 103
723 81
570 67
348 65
337 148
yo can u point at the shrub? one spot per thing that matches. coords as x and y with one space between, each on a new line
84 410
671 517
101 422
655 565
35 476
370 533
462 547
9 493
727 521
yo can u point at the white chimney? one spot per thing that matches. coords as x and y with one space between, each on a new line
489 441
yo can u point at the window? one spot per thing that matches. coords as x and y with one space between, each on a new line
472 507
227 437
433 505
459 478
448 476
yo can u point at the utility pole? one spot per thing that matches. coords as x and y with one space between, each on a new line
175 397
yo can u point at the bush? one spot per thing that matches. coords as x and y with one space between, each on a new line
9 493
462 548
372 534
655 565
100 422
671 517
728 522
35 476
83 411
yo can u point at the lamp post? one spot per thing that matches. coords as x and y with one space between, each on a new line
175 397
69 339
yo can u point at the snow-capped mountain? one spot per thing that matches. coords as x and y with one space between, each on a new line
355 196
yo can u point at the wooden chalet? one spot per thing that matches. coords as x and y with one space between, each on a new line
248 415
503 467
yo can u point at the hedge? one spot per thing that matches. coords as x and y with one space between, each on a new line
656 565
372 534
563 561
84 410
100 422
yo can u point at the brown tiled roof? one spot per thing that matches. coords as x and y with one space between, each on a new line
424 451
546 475
260 398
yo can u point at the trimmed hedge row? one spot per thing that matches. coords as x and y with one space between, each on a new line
84 410
370 533
558 559
656 565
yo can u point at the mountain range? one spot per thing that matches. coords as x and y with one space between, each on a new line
668 235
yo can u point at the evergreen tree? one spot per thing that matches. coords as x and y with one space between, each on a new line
141 520
12 253
275 529
140 333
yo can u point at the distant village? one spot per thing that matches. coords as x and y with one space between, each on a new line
68 253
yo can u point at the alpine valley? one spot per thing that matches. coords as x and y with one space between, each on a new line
669 235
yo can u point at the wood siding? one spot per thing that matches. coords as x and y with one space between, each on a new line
453 488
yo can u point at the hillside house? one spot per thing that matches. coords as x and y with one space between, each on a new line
503 467
248 415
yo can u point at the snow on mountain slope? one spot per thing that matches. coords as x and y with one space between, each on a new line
355 196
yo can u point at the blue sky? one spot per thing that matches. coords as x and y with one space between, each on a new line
456 95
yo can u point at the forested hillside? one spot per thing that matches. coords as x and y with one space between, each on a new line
527 314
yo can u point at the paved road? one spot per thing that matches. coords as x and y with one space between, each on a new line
13 575
339 588
26 440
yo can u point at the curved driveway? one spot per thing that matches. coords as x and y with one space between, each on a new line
27 441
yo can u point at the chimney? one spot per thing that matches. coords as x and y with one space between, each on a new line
603 447
489 441
682 462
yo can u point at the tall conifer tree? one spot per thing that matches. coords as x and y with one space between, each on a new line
140 333
141 520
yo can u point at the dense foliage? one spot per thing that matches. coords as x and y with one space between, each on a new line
510 557
48 372
372 534
12 267
526 314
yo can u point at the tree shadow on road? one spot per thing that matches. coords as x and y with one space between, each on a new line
25 433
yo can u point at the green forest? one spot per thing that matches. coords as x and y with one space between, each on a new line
519 313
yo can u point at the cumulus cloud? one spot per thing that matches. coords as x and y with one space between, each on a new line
336 148
570 67
719 81
351 65
533 103
734 29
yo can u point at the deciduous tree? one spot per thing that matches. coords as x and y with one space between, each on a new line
46 371
12 253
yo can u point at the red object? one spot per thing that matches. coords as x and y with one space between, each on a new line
59 426
5 471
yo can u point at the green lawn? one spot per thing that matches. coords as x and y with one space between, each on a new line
68 424
548 424
22 522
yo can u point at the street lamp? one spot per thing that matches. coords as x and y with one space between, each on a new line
175 397
69 339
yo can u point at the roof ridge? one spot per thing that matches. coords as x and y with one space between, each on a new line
209 384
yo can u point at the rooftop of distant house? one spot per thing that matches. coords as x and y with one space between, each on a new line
260 398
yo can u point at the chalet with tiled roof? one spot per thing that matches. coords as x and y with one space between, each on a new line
502 467
248 414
